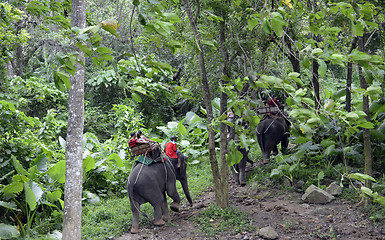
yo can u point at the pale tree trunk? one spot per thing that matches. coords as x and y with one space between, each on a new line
366 132
72 213
219 198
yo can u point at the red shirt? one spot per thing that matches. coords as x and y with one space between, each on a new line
170 150
274 103
132 142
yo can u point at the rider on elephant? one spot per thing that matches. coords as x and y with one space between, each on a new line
134 140
172 151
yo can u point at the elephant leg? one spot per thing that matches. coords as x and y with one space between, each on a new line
235 171
135 217
158 206
165 214
275 150
242 167
173 194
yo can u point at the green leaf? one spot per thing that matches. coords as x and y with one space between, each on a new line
329 150
13 188
30 197
266 26
252 22
37 190
57 172
367 125
136 97
322 67
234 156
8 205
8 231
352 116
182 129
115 157
329 104
16 164
361 177
54 196
88 164
317 51
110 26
277 23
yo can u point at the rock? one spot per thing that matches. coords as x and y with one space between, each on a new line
334 189
268 233
315 194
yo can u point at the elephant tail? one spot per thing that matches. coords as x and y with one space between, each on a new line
260 139
130 191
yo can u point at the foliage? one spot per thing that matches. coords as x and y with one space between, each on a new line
217 221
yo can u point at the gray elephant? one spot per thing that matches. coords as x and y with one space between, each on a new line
271 131
149 183
239 169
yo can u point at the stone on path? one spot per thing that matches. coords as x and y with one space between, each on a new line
315 194
268 233
334 189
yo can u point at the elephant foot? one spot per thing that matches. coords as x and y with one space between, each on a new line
174 206
243 184
134 230
166 218
159 222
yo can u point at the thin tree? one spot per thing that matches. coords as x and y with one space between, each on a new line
348 105
220 197
74 162
366 131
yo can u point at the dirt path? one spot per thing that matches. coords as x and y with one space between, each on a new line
283 211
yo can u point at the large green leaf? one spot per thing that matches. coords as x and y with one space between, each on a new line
8 205
115 157
88 164
8 231
57 172
54 196
16 164
13 188
30 197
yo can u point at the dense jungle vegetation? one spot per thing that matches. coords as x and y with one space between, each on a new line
175 68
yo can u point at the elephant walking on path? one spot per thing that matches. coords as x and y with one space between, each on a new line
270 132
149 183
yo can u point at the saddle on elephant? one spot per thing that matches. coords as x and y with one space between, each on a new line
143 149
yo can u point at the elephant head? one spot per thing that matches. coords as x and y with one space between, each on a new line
181 174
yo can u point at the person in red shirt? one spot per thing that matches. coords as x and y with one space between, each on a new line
274 102
171 150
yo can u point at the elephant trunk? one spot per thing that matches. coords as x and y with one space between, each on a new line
184 184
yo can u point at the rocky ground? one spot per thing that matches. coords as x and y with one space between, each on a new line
284 212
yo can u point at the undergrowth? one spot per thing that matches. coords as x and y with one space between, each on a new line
218 221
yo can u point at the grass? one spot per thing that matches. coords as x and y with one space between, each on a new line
217 221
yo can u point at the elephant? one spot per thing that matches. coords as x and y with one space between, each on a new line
239 169
271 131
149 183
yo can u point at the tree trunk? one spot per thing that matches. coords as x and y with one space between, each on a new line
315 82
72 212
348 105
366 132
223 127
220 199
